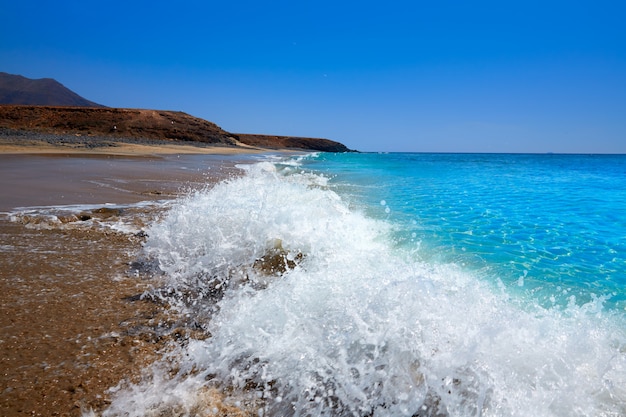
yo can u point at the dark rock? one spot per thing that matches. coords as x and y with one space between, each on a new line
106 212
276 260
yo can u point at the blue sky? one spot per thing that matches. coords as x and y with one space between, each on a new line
449 76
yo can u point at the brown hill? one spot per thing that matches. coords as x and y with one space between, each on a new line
15 89
144 124
291 142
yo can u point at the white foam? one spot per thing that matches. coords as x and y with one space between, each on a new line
357 327
67 216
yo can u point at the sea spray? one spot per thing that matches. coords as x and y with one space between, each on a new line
354 325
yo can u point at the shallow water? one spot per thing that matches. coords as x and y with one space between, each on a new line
528 220
394 285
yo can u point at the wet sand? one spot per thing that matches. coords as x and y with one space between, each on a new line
61 179
71 324
64 339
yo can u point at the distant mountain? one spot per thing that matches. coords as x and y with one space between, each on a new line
16 89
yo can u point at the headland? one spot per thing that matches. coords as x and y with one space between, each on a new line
25 128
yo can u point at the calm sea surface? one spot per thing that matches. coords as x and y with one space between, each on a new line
401 285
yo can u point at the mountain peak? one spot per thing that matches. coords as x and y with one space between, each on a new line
17 89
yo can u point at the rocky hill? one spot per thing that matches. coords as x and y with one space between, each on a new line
291 142
113 122
15 89
144 124
46 106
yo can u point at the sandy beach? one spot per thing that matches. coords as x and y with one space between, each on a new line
72 324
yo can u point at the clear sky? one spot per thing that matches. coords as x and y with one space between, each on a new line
451 76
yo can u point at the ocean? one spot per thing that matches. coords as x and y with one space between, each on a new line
399 284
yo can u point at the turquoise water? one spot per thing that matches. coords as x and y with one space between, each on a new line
401 285
552 225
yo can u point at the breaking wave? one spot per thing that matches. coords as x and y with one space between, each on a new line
309 308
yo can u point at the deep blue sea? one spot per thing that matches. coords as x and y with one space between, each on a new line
411 285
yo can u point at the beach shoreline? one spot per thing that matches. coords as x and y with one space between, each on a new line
47 169
72 323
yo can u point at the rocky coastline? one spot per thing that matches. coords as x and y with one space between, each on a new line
32 138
